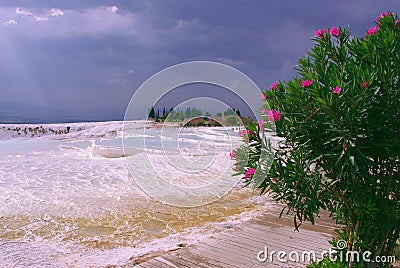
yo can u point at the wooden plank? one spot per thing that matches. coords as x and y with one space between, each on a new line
229 249
287 231
225 258
240 242
324 225
264 220
200 260
293 245
167 263
254 252
158 264
251 252
237 253
249 256
239 246
177 260
280 235
147 264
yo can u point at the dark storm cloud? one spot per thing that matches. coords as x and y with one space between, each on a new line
91 55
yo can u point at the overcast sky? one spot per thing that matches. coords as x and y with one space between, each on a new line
88 57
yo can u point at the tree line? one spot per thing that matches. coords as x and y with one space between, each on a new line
179 115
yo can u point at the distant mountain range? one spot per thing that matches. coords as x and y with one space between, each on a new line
27 113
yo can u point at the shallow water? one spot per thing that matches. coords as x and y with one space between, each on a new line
61 202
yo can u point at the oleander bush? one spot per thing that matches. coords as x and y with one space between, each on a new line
340 124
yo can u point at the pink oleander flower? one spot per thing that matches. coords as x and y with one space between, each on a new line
336 90
371 31
244 132
306 83
320 33
272 115
277 116
382 15
365 84
250 172
232 155
274 86
335 31
263 111
261 124
264 97
395 23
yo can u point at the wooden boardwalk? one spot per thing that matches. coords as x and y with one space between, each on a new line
239 246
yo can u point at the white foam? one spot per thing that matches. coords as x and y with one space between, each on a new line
107 151
51 185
